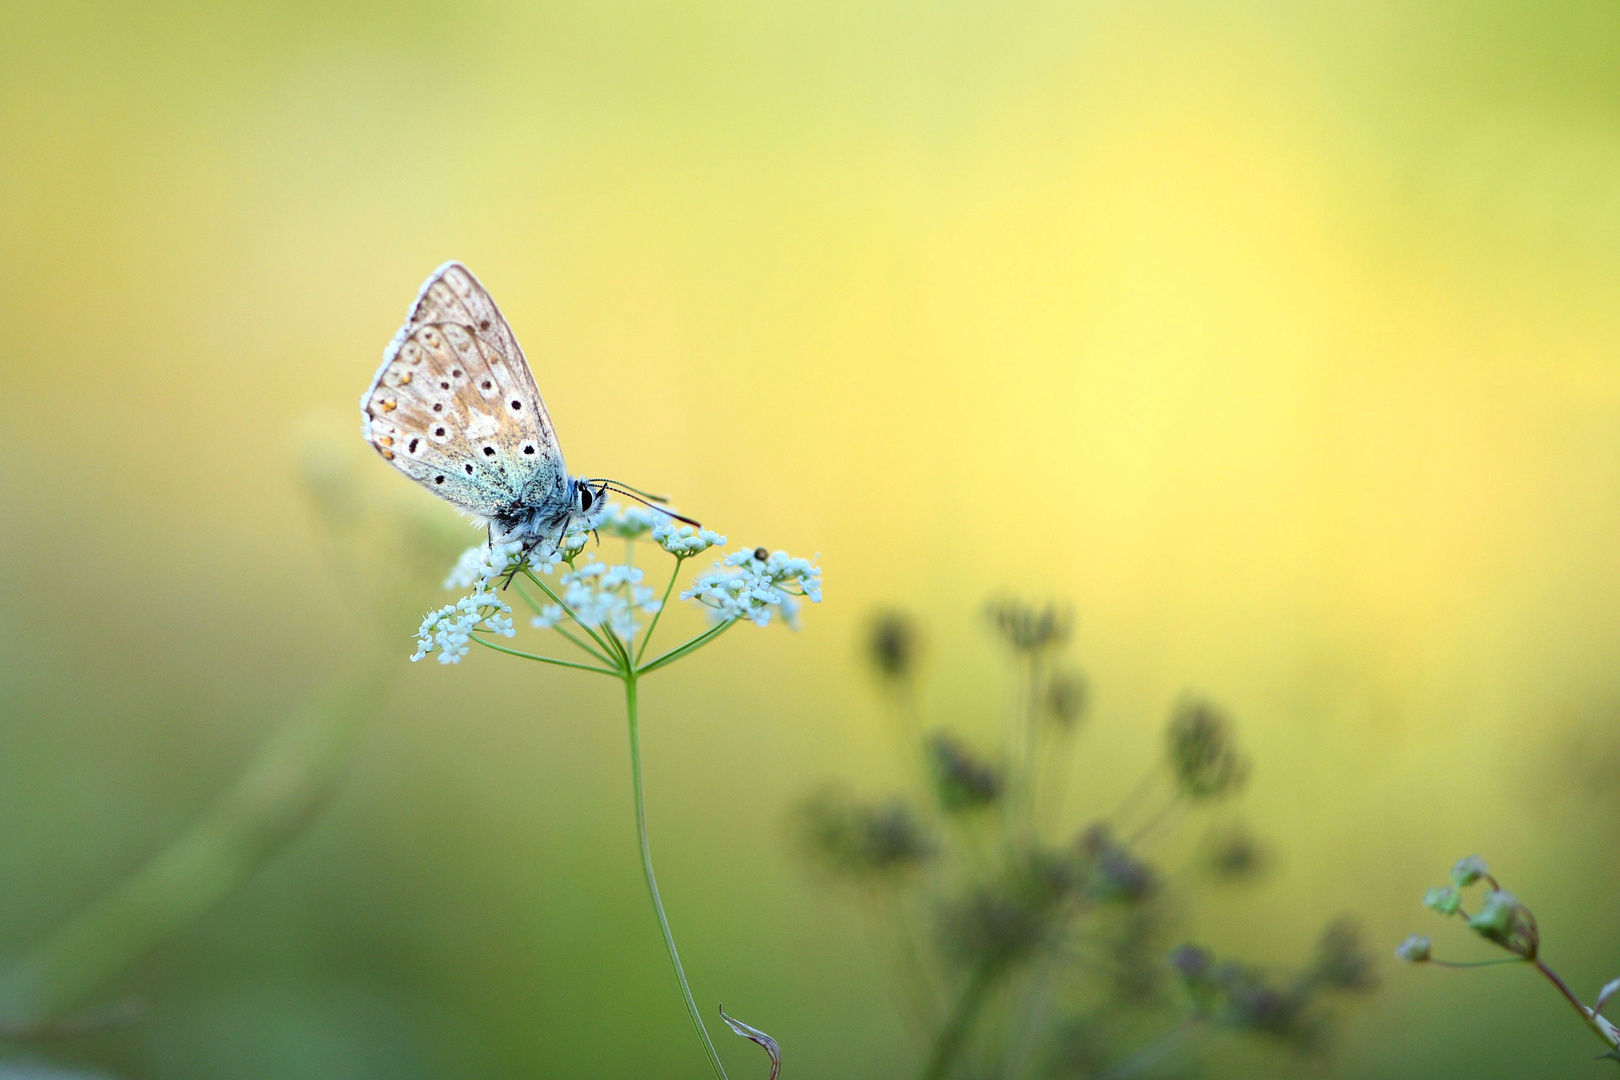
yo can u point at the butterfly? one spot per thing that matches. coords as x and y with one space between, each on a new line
455 407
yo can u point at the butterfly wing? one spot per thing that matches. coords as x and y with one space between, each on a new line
454 405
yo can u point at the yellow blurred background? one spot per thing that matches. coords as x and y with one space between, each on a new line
1281 339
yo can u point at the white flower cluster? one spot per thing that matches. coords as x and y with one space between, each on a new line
481 564
603 594
448 631
756 584
684 541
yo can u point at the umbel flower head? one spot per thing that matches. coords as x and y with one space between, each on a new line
757 585
600 598
1206 761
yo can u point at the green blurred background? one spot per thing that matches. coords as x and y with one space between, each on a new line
1281 338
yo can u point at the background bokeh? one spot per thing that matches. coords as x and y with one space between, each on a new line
1280 338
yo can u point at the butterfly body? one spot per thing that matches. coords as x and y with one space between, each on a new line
455 407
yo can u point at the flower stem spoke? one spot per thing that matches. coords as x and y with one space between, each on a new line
680 651
543 659
620 649
594 652
567 610
662 604
631 709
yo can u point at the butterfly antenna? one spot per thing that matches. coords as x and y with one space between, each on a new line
631 493
626 489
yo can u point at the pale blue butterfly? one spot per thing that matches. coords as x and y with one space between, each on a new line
454 407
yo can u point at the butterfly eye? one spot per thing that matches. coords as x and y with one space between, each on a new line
585 499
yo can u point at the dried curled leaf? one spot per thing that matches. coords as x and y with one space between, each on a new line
755 1035
1605 994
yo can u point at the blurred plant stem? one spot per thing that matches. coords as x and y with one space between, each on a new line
282 791
948 1044
632 711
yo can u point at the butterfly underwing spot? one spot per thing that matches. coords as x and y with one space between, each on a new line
438 479
438 406
528 448
469 468
489 451
411 447
483 324
439 433
517 404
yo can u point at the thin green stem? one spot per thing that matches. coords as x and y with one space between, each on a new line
662 604
620 649
594 652
543 659
696 643
1569 995
1461 965
631 709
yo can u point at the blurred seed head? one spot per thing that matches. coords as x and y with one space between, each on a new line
1252 1004
1005 920
1028 629
1342 960
1113 874
1192 962
1067 695
871 841
1206 762
1234 854
961 781
892 645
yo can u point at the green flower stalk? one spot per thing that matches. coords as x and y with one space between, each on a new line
596 609
1504 921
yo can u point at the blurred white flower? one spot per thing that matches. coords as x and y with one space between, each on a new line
481 564
629 522
608 594
684 540
1415 949
549 616
1467 871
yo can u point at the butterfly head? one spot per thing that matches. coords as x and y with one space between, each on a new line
587 501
